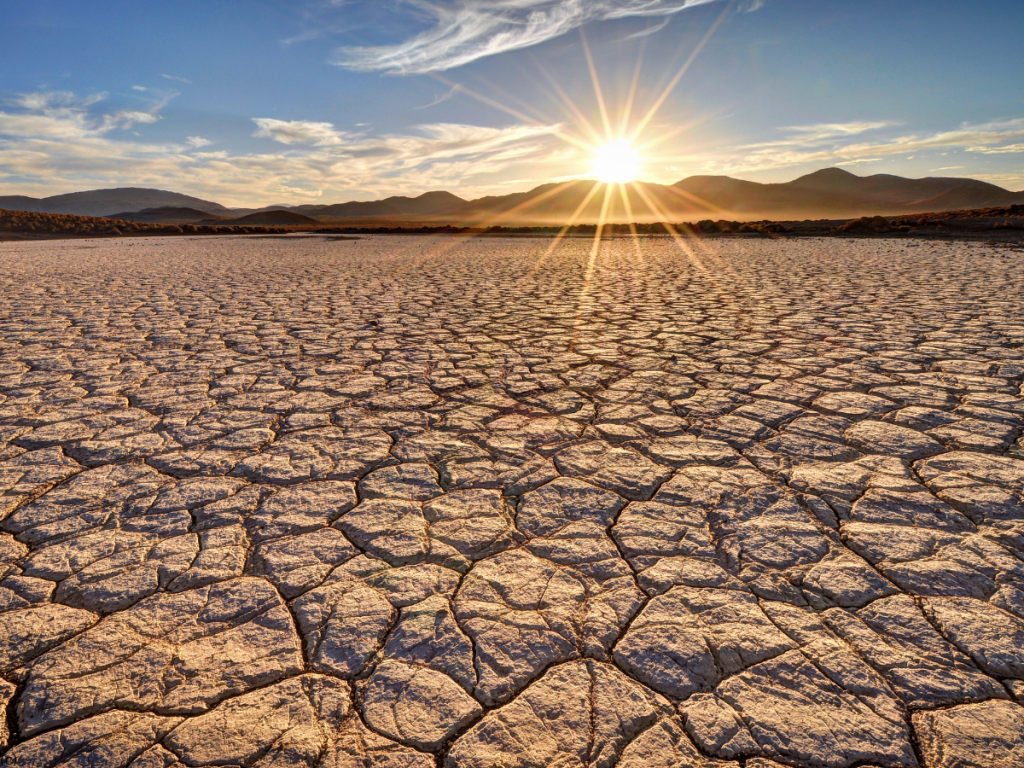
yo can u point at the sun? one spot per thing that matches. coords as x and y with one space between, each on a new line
616 162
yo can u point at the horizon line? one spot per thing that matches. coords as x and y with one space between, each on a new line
526 191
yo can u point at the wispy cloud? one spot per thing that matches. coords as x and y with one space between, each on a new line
43 101
830 130
1009 149
53 143
467 30
297 132
845 144
647 32
804 136
176 79
62 115
859 161
443 97
127 119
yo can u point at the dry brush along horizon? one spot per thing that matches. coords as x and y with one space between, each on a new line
413 502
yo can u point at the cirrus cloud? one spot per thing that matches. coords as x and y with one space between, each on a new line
53 143
467 30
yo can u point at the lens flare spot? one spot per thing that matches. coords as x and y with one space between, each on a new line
616 162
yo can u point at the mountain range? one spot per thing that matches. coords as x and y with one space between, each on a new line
104 202
829 193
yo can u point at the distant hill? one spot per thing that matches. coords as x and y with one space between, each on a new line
834 191
268 219
428 204
104 202
166 215
18 203
831 193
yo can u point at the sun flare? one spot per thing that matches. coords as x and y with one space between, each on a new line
616 162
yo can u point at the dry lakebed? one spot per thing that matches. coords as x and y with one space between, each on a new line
497 503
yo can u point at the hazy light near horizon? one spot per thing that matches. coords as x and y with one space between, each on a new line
617 162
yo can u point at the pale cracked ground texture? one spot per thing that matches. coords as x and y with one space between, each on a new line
408 502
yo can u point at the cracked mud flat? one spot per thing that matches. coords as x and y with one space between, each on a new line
414 502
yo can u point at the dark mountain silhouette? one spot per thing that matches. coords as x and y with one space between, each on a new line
104 202
18 203
428 204
166 215
831 193
834 191
268 219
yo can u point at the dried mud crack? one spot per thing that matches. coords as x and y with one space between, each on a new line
465 503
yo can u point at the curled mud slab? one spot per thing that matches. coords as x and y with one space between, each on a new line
467 503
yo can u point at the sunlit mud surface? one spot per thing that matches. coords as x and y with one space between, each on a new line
415 502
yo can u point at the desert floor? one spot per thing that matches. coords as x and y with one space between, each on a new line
415 502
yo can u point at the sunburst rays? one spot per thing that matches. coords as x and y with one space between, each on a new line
618 142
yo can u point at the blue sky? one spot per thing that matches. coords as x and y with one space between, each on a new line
269 101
